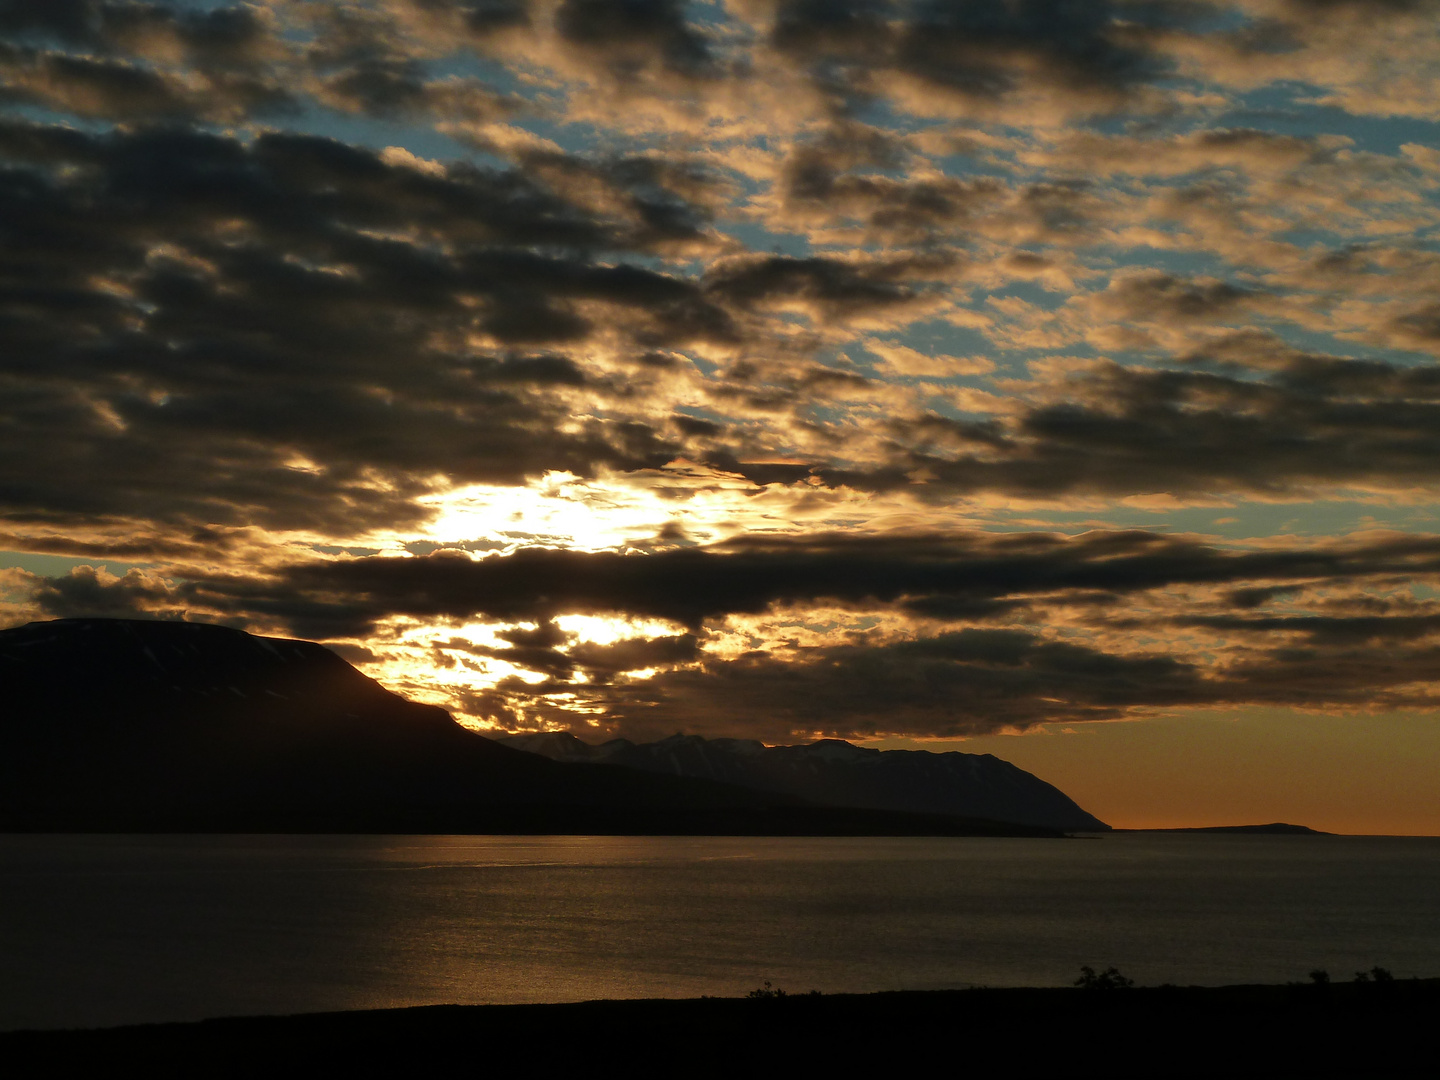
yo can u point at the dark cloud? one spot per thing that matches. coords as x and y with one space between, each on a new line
97 87
234 38
553 653
695 426
169 289
1366 8
603 662
981 681
207 329
668 204
1314 422
829 288
136 62
856 173
1155 296
964 576
984 50
63 20
971 680
130 546
96 594
1326 629
186 317
365 63
480 17
1257 596
1419 327
546 635
630 35
849 28
1096 52
399 89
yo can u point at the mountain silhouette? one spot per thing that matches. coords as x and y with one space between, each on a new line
128 725
837 773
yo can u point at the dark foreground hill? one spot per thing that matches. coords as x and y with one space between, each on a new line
1349 1030
119 725
835 772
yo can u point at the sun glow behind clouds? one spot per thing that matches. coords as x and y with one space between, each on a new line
470 669
608 629
654 507
465 668
647 509
562 510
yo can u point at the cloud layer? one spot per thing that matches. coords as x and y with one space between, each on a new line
786 367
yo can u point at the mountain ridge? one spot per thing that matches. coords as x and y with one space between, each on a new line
117 725
838 773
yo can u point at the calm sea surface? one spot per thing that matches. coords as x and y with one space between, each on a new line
98 930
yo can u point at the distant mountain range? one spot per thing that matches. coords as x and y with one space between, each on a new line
837 773
126 725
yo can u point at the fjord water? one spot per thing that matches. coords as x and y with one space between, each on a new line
101 930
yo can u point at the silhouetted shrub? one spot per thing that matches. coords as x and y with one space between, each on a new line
1109 979
770 993
767 992
1376 980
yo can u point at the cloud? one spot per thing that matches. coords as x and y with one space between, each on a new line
1155 296
899 359
969 682
632 34
197 315
854 272
246 301
96 593
1042 628
936 575
975 681
828 289
1318 424
1329 630
136 62
940 57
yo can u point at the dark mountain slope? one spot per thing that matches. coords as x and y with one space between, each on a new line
839 774
120 725
128 724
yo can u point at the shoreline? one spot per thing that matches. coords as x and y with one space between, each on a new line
1374 1028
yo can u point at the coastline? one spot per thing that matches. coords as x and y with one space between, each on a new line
1368 1028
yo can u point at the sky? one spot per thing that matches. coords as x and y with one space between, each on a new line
1048 378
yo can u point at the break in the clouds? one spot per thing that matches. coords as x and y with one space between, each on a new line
863 368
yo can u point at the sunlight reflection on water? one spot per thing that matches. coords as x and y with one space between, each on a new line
116 929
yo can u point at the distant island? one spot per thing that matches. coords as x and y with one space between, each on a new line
1275 828
115 725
